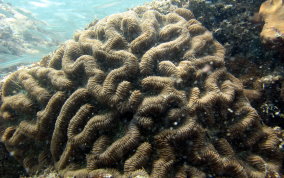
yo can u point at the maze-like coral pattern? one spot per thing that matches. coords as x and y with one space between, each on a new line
136 95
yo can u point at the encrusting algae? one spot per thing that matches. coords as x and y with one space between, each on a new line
137 94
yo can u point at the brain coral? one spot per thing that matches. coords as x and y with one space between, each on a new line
136 95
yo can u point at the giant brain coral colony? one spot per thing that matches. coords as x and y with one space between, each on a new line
136 95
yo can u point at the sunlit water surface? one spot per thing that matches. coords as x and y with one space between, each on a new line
62 18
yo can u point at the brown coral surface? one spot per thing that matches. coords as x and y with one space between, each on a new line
272 12
136 95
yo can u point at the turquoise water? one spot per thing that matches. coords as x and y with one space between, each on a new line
66 16
60 19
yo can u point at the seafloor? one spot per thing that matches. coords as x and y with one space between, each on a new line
258 66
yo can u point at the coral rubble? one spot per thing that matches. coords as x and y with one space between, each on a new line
140 95
272 12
